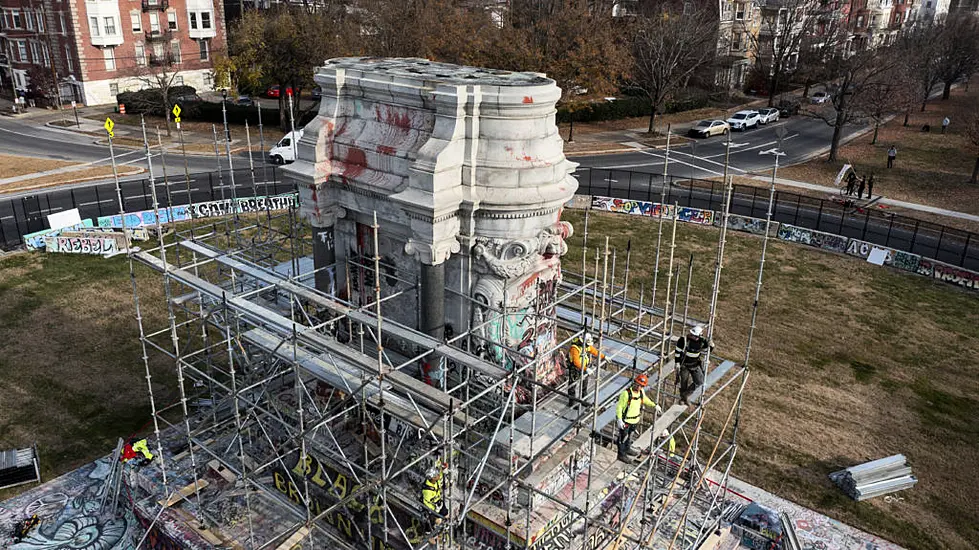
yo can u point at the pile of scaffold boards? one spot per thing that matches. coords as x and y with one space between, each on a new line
876 478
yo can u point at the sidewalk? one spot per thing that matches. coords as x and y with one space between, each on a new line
890 202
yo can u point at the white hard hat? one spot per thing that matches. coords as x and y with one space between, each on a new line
588 339
665 434
697 330
432 472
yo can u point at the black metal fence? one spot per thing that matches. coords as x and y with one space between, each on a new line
28 214
931 240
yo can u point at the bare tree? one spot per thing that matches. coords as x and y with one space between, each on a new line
785 27
919 49
852 78
958 49
668 48
828 35
158 69
880 97
973 132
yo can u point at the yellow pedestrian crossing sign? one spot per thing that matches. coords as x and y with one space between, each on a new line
109 125
176 113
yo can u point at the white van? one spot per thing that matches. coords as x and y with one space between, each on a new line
284 151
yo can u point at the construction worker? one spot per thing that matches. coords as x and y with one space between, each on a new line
432 494
689 361
671 446
24 528
628 412
578 357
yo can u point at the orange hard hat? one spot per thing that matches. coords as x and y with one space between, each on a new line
642 380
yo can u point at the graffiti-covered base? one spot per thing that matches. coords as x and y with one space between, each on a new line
68 510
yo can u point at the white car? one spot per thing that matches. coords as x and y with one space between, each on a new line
767 115
707 128
820 97
742 120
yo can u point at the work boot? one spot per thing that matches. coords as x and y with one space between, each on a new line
625 458
631 452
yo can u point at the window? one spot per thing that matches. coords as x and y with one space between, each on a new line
205 20
93 25
154 23
29 19
208 80
110 59
178 81
113 89
172 20
175 50
46 54
140 54
40 21
736 42
35 53
71 64
873 20
15 19
21 50
193 20
929 4
897 19
204 50
739 13
64 26
136 21
158 50
859 21
110 26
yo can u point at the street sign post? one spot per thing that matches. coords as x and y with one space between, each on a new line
74 108
109 125
176 114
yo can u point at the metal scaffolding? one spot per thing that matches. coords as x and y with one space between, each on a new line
303 420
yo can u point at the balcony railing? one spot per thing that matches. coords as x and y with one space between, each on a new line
150 5
161 60
160 35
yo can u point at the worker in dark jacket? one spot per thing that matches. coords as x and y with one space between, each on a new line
689 357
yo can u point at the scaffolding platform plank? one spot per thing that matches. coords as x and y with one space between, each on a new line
662 423
294 539
184 492
713 377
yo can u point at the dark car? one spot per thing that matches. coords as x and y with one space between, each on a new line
317 93
184 99
788 108
244 101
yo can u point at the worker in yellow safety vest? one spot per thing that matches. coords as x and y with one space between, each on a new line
579 359
142 447
671 445
628 412
432 493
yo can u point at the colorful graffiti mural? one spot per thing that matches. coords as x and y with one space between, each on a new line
949 273
746 224
207 209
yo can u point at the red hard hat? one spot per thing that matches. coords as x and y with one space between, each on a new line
642 380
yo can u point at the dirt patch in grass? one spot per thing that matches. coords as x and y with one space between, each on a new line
931 168
12 166
850 363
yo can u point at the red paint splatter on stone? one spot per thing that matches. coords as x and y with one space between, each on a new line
386 149
528 158
355 163
528 99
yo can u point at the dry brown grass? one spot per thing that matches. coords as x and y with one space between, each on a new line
12 166
930 168
851 362
53 180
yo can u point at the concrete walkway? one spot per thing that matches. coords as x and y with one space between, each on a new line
890 202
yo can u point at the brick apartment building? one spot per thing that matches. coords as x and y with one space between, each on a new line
98 48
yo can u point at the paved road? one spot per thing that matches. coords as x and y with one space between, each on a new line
704 158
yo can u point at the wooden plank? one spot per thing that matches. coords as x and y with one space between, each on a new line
662 423
185 492
294 538
222 471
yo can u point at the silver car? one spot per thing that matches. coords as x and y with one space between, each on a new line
767 115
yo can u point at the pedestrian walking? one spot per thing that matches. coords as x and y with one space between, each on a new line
945 122
863 185
870 187
891 155
851 183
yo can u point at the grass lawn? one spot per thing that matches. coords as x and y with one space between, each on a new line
851 362
12 166
931 168
82 174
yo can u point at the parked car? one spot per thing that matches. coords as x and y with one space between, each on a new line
274 91
707 128
767 115
788 107
189 98
284 151
317 92
742 120
244 101
820 97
